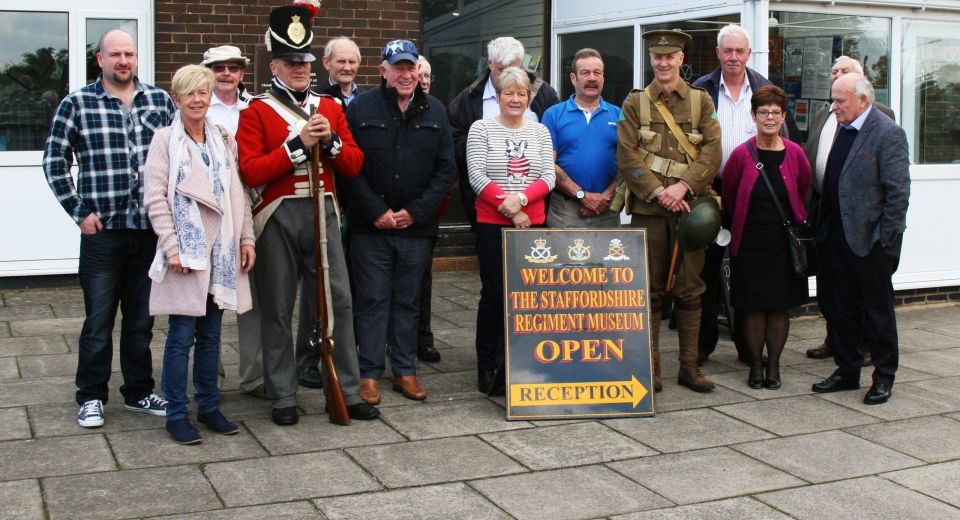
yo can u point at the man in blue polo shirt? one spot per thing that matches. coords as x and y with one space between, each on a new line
584 132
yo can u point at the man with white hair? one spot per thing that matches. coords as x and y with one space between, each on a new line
731 86
817 148
862 216
341 59
479 101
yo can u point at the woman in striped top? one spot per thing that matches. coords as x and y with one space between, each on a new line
510 167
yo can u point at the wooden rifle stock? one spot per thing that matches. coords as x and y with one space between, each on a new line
323 327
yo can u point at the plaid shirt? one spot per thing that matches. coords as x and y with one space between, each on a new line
110 146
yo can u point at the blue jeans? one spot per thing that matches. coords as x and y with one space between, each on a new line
387 272
202 333
113 272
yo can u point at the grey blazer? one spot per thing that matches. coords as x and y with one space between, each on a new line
874 185
811 147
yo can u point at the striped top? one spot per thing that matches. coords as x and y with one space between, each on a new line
503 160
735 119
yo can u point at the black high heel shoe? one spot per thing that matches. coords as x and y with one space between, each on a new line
757 383
771 384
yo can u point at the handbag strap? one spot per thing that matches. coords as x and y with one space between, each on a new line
763 175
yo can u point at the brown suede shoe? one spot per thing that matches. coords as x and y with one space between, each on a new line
657 384
820 352
691 378
409 387
370 390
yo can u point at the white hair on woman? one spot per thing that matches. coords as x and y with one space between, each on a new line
504 50
735 31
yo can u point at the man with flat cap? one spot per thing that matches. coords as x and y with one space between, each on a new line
668 152
275 141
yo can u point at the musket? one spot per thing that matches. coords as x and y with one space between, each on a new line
321 338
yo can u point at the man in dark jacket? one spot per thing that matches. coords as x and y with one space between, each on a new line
407 171
479 101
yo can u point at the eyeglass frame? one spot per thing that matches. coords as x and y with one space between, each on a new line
766 114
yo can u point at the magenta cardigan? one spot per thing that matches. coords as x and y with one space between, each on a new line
740 175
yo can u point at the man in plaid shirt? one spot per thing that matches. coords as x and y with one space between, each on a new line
108 126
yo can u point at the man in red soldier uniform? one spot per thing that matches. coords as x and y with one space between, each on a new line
275 140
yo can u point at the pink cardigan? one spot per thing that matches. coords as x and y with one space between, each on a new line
186 294
740 175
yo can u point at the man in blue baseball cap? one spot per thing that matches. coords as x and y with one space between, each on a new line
407 171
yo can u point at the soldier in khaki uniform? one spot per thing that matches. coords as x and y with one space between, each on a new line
664 178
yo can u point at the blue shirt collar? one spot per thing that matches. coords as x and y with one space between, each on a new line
858 122
572 106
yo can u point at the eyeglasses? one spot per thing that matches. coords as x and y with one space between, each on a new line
769 114
428 77
220 68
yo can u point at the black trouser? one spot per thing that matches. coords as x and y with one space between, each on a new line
490 330
861 295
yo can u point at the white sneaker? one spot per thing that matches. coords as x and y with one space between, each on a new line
91 414
151 404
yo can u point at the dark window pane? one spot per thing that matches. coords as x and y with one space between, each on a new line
33 76
700 55
931 90
616 47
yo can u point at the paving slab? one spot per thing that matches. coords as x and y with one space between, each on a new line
943 363
433 461
460 318
54 456
442 502
467 417
9 368
317 433
907 401
794 382
33 345
288 477
821 371
458 337
913 340
742 508
949 330
940 481
932 439
68 310
4 329
688 430
19 392
241 407
129 494
129 449
458 359
45 327
675 397
22 500
574 444
826 456
58 419
284 511
946 386
699 476
568 494
42 296
793 415
14 424
931 313
25 312
856 499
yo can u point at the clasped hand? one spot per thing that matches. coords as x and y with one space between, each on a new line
316 130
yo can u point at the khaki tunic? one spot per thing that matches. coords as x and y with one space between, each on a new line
645 184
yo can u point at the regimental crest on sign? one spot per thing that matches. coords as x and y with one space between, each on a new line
295 31
540 253
578 252
616 252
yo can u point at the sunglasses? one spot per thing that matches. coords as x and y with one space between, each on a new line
221 68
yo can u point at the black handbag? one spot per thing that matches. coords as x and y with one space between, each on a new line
800 238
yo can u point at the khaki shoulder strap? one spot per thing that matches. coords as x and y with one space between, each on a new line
695 110
691 152
644 106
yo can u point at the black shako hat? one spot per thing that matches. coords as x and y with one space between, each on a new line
290 33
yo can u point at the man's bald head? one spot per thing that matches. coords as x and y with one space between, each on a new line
852 95
117 58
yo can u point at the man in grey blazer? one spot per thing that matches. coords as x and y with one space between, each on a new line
817 148
862 216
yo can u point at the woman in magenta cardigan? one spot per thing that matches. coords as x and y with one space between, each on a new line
763 287
510 167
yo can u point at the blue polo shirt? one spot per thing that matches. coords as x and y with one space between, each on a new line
587 152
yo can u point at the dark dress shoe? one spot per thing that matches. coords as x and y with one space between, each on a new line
485 380
362 412
285 416
835 383
867 360
879 393
821 351
310 378
771 384
428 353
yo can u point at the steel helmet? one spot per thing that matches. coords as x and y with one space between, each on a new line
699 228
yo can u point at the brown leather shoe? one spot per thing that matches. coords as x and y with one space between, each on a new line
820 352
409 387
657 384
370 390
691 378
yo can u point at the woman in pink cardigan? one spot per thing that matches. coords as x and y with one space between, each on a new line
763 287
201 215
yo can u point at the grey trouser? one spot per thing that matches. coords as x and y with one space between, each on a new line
285 252
248 340
564 213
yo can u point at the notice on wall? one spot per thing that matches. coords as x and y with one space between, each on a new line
577 333
817 60
793 58
801 113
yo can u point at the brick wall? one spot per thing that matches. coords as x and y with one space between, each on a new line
184 30
900 298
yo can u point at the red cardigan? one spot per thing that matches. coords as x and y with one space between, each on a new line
740 175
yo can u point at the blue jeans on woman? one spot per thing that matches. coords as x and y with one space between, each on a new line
203 334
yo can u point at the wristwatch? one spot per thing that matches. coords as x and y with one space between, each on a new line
523 199
580 194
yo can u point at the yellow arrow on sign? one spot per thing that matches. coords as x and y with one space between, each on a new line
592 392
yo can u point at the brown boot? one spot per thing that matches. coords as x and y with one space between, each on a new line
370 390
409 387
655 350
691 378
